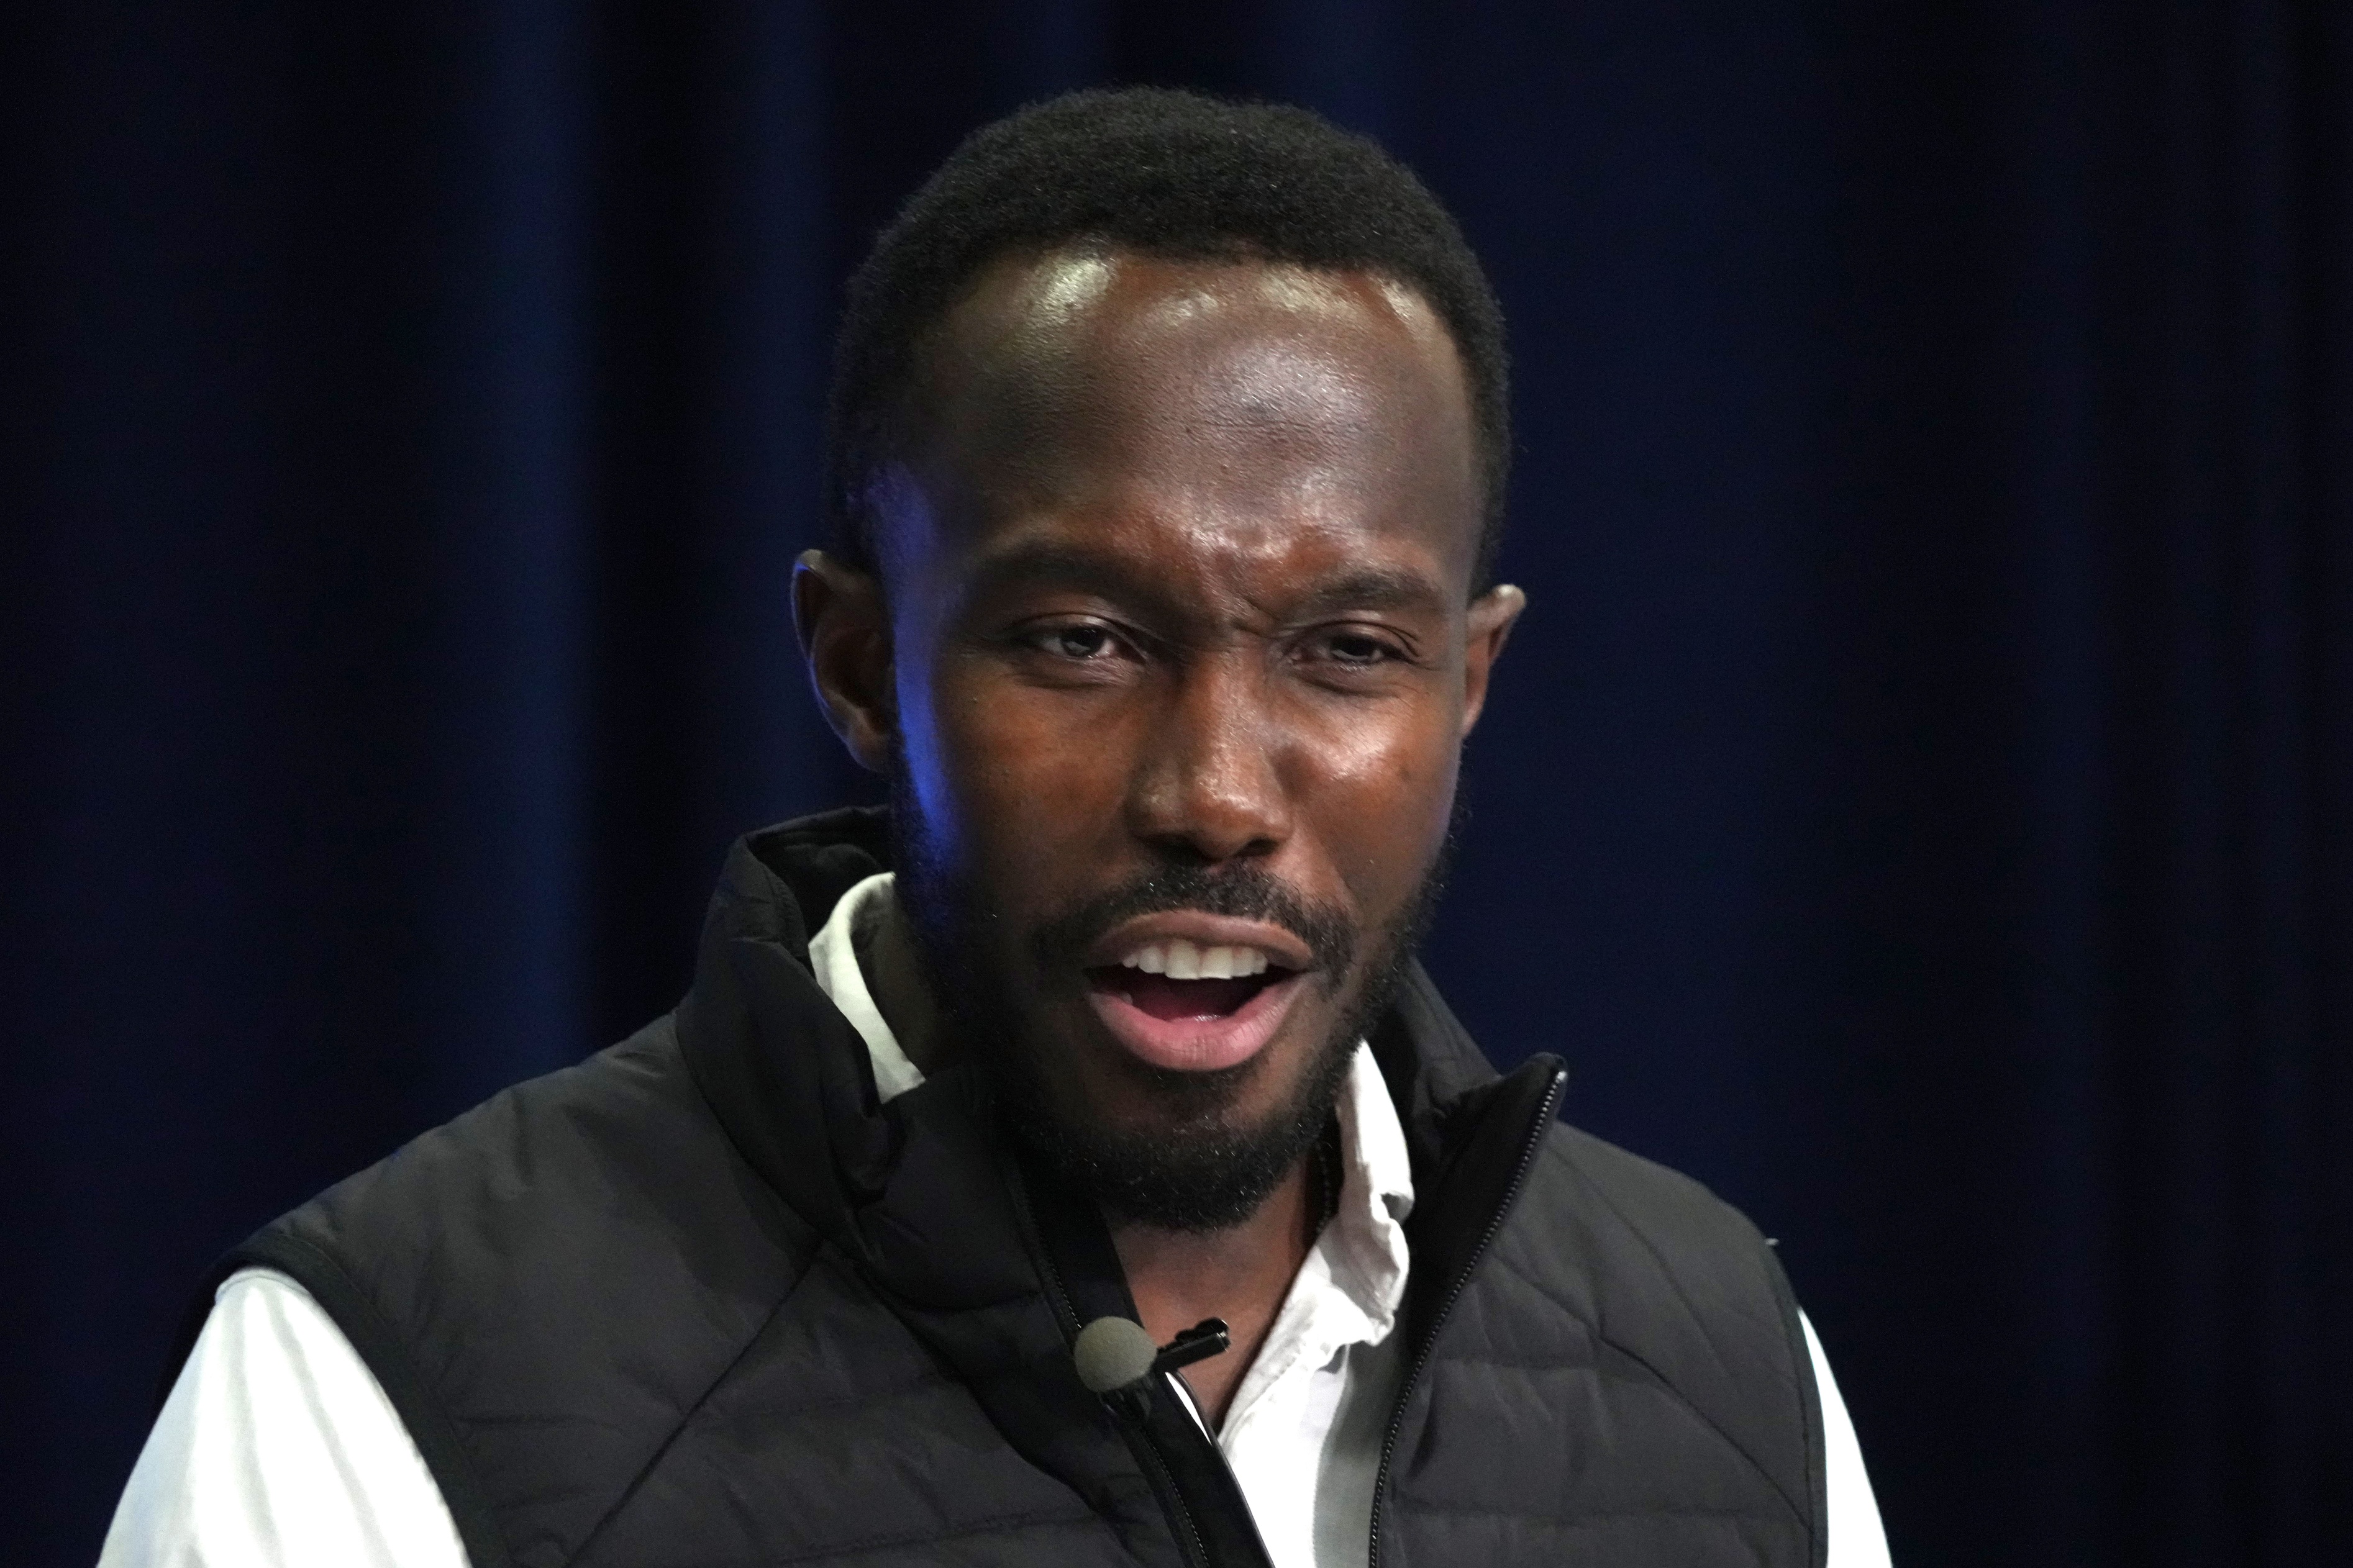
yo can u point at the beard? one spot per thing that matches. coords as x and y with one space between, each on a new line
1198 1167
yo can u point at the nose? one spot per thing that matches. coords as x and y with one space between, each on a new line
1208 785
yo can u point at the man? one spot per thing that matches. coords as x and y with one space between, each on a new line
1168 454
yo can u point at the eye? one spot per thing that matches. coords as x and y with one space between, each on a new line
1356 649
1078 640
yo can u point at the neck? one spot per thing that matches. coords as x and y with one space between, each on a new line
1241 1275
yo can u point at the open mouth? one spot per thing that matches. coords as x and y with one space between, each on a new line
1179 1005
1158 996
1179 980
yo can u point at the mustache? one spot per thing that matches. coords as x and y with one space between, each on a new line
1239 892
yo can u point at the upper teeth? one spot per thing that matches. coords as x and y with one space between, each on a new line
1181 960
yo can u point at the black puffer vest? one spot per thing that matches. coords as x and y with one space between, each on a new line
701 1300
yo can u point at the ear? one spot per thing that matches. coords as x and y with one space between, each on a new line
845 634
1492 616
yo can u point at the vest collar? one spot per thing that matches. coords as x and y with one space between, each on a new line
988 1259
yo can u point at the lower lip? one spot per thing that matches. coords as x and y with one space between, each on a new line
1199 1045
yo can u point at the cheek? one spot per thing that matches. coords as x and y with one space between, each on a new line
1019 782
1383 793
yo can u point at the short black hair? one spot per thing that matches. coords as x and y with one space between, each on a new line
1170 174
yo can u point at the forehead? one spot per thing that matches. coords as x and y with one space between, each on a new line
1245 398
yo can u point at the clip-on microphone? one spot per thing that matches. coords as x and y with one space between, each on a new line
1115 1356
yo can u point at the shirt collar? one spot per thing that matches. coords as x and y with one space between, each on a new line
1366 1236
833 959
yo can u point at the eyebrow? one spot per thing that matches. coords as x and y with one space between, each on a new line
1043 563
1375 589
1050 563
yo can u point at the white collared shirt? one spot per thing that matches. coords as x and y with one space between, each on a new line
278 1448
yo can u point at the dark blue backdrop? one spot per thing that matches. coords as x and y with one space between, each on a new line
1917 801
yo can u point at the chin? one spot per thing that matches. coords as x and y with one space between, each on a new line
1191 1151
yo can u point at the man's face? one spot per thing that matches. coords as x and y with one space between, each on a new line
1178 658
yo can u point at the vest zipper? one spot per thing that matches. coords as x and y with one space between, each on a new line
1184 1510
1196 1550
1531 1143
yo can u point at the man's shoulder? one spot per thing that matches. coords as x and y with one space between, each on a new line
594 1159
551 1286
1652 1284
1629 1230
595 1217
1660 1206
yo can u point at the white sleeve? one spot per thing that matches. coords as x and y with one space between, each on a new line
1857 1539
278 1449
